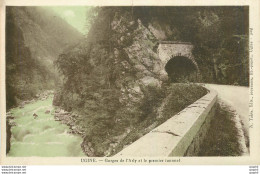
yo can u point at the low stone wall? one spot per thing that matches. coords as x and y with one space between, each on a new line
181 135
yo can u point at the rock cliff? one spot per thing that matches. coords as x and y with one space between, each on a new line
112 79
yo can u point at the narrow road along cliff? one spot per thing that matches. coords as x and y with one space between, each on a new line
238 98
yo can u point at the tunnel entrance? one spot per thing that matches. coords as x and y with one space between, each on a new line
181 69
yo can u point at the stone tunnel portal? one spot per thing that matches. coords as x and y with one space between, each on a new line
181 69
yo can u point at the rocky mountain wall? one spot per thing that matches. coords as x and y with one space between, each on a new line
112 78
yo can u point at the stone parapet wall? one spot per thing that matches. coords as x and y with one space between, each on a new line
181 135
194 147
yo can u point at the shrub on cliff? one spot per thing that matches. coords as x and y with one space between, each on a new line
172 98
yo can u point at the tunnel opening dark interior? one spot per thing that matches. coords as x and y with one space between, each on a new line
181 69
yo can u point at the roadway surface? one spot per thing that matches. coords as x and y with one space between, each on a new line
238 98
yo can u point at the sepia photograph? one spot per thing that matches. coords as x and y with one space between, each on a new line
104 81
119 82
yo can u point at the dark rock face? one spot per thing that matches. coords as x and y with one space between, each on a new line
113 70
8 136
57 99
87 148
70 119
29 54
9 124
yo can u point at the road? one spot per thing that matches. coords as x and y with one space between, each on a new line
238 98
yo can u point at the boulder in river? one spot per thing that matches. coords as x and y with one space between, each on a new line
57 110
35 115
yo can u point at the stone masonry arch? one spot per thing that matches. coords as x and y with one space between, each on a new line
168 50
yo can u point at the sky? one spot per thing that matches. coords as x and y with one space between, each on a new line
74 15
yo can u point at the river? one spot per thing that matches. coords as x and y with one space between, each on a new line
42 136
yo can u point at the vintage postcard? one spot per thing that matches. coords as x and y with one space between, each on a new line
130 82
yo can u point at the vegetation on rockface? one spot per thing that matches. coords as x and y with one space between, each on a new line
34 38
222 45
112 77
219 34
24 75
222 136
101 82
179 96
45 33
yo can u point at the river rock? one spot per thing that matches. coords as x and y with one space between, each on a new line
35 115
57 110
89 144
